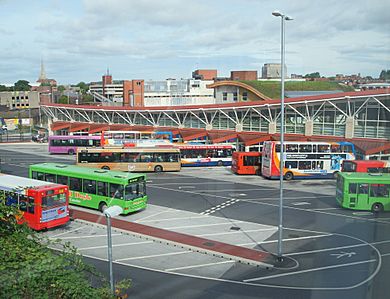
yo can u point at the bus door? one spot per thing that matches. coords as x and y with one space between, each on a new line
362 196
352 195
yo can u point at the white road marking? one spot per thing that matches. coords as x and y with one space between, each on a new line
301 203
238 231
153 255
309 270
205 225
67 232
172 219
198 266
114 245
290 239
153 215
89 236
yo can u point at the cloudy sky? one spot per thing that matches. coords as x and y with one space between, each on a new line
159 39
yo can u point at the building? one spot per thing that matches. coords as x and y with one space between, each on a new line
20 99
204 74
243 75
272 71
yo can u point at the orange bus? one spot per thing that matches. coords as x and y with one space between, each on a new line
42 205
246 163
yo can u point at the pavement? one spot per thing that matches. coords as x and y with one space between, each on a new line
240 254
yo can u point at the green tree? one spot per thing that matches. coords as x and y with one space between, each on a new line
22 85
313 75
63 100
4 88
384 75
83 87
61 88
33 266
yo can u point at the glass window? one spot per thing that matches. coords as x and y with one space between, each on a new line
305 148
349 166
50 177
335 148
317 165
89 186
304 165
291 164
53 200
352 188
323 148
379 190
116 191
102 188
146 158
30 206
75 184
363 188
22 203
291 148
346 148
34 175
61 179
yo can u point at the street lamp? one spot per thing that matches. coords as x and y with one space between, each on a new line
280 230
110 213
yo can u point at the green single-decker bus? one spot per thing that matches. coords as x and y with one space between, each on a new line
363 191
96 188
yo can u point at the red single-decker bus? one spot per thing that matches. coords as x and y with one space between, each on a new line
246 163
365 166
42 205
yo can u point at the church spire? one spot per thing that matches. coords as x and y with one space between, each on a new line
42 76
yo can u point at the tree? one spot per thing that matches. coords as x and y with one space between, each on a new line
61 88
384 75
30 268
313 75
4 88
63 99
83 87
22 85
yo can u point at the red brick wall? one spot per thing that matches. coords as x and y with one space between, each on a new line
206 74
243 75
135 89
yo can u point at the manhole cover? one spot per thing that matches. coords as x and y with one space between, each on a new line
235 228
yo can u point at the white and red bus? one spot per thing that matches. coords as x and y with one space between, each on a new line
246 163
305 159
366 166
205 154
41 204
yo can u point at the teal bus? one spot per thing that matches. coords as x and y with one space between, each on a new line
363 191
96 188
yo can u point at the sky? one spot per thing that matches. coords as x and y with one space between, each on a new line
160 39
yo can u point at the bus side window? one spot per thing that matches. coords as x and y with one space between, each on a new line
50 177
40 176
363 188
291 164
30 207
61 179
116 191
102 188
34 175
75 184
352 188
89 186
22 203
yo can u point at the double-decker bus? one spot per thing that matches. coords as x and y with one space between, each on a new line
364 191
67 144
138 138
137 159
42 205
205 154
96 188
246 163
366 166
305 159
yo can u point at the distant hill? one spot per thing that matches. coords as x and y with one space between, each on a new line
272 88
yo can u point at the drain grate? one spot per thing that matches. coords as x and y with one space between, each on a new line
210 244
235 228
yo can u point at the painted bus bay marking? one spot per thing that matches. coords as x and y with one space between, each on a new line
220 206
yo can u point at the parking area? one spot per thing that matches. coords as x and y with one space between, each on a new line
325 247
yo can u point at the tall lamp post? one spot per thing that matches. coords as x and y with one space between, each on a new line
280 230
110 213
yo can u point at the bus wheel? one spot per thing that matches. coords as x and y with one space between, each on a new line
377 207
220 163
106 168
258 171
288 176
158 168
335 174
102 206
71 152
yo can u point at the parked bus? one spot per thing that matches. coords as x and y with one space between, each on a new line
42 205
206 154
366 166
364 191
96 188
138 138
67 144
246 163
143 159
305 159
